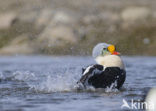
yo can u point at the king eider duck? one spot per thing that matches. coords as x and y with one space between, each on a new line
108 72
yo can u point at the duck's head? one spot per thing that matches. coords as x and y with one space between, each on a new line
106 55
103 49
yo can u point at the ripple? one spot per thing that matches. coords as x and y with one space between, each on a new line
40 83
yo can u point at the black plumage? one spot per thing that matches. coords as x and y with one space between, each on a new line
101 77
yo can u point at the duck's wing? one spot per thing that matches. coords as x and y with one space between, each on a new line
89 72
89 68
110 76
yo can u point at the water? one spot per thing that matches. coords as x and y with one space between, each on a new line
44 83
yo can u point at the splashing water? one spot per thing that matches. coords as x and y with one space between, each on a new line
58 83
49 83
23 76
52 83
1 76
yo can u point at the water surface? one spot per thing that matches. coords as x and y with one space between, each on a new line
44 83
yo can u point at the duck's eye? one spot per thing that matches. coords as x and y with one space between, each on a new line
104 48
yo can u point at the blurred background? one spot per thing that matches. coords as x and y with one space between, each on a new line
73 27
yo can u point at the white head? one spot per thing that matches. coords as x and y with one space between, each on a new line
106 55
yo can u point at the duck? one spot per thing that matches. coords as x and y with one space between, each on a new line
150 99
108 72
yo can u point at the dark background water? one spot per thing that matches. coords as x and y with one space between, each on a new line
37 83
